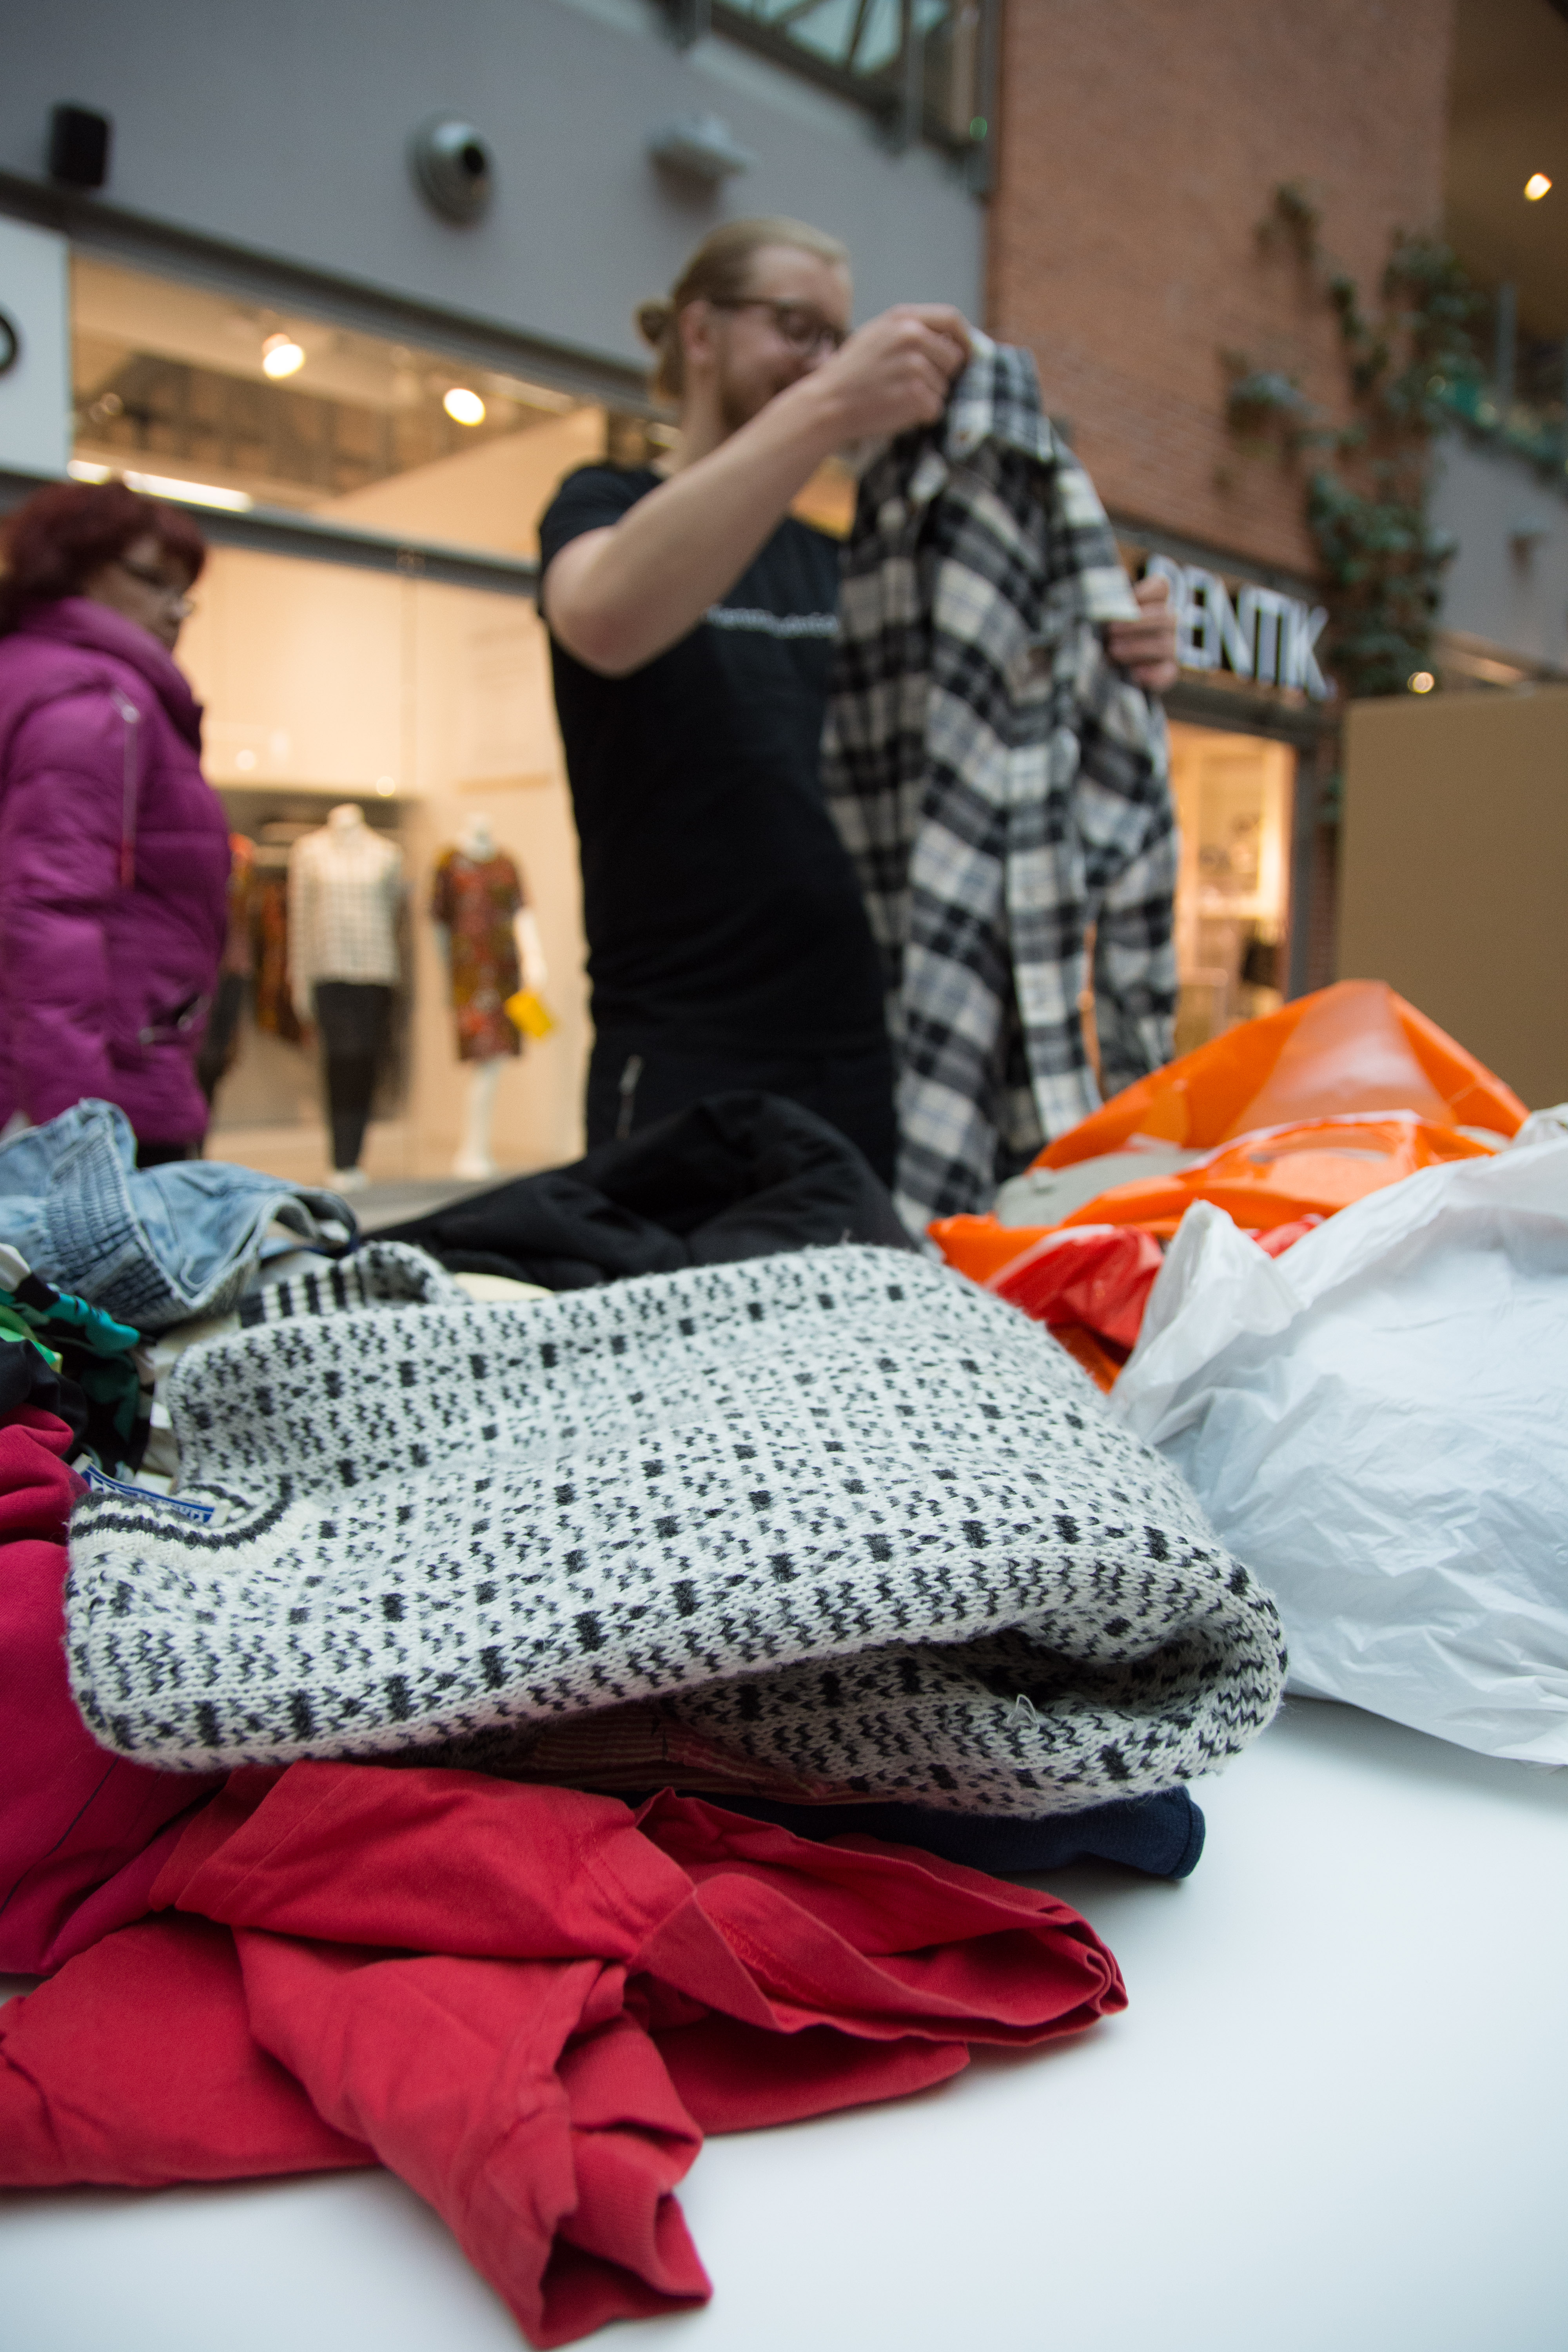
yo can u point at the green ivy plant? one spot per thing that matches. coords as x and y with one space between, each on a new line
1366 480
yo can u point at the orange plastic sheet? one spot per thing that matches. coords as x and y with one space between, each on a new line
1356 1047
1265 1180
1292 1095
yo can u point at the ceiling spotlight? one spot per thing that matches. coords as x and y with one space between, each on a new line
281 355
1536 186
1421 681
463 406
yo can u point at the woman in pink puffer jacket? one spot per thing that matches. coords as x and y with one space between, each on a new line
113 847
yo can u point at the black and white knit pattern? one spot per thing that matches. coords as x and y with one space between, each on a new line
853 1516
379 1273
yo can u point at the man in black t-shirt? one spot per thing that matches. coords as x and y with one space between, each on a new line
691 623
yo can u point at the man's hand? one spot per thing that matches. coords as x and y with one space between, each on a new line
894 372
1146 648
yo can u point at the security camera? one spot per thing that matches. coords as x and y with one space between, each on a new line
452 166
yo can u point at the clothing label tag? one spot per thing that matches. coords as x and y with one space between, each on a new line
99 1483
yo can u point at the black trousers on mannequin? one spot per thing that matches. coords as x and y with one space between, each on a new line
353 1015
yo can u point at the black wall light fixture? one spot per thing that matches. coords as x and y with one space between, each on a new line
10 344
79 146
452 167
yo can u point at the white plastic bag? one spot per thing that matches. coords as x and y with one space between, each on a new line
1377 1424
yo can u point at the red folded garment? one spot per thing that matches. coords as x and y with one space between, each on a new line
83 1834
526 2001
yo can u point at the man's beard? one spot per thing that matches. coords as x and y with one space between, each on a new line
738 405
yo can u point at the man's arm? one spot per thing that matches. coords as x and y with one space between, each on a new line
617 596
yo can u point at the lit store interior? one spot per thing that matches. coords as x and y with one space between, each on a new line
427 704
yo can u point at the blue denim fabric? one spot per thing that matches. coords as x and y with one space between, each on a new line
152 1245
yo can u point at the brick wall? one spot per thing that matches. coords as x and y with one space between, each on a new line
1140 141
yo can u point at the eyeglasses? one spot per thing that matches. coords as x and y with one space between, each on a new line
169 590
805 330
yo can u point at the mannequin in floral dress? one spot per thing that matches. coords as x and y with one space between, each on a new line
491 944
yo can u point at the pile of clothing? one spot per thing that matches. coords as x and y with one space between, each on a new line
559 1679
580 1670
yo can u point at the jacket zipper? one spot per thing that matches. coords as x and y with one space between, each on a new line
132 719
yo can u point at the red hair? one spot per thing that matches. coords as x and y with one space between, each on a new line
55 541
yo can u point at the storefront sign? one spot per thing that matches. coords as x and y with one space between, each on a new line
1262 635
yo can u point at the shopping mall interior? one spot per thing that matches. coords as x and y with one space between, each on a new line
429 704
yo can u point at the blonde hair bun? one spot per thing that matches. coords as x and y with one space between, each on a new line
653 319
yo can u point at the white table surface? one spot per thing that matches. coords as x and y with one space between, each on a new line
1332 2120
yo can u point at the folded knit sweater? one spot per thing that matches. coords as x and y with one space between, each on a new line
841 1509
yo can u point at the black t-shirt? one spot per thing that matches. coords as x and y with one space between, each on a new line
719 904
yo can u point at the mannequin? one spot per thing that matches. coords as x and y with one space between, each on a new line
489 942
345 889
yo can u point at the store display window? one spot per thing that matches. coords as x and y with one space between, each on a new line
236 404
1233 798
328 683
428 707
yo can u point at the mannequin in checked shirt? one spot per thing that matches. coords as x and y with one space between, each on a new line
345 890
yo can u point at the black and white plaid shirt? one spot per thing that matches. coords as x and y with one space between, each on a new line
1001 787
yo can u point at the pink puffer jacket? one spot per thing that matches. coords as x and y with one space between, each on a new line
113 874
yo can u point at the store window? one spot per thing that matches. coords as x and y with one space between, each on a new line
242 405
429 708
427 705
1233 798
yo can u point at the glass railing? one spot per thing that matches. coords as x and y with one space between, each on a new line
921 66
1520 401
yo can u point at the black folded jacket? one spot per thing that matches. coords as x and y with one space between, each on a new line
738 1175
1161 1835
26 1378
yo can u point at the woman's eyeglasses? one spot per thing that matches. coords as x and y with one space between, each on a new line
805 330
170 591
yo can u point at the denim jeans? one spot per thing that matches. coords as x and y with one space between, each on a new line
152 1246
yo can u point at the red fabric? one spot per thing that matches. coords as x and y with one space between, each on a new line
1096 1276
1095 1280
527 2002
1280 1238
83 1834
